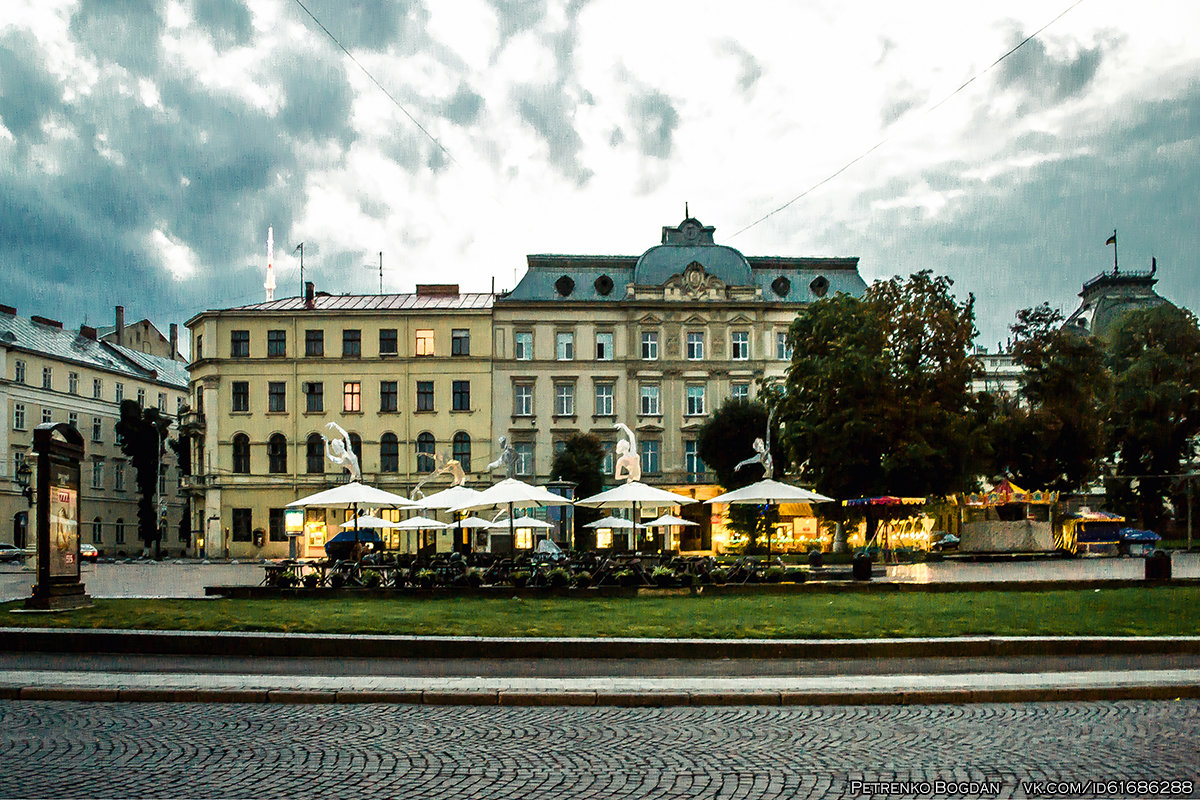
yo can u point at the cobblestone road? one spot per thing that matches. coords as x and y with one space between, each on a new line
141 750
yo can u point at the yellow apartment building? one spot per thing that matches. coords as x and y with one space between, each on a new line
407 376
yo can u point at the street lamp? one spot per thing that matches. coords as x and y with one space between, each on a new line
24 477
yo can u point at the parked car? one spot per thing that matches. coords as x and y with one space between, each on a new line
88 552
10 553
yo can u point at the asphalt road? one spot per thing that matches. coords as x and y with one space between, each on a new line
68 750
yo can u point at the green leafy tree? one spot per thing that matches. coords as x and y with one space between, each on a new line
878 397
726 440
142 433
1052 434
581 461
1154 416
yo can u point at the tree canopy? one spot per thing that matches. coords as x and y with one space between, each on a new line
142 433
726 440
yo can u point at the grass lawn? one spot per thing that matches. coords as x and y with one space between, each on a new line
1110 612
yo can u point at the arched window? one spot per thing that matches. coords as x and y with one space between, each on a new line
389 453
462 450
97 527
314 454
277 453
425 445
241 454
119 527
356 446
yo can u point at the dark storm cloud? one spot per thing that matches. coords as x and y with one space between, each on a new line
372 24
317 94
550 113
27 93
655 119
463 107
227 21
518 16
124 32
1045 78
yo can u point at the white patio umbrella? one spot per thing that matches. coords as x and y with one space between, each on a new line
418 524
769 491
633 495
668 521
512 493
367 521
521 522
610 522
474 522
352 495
448 498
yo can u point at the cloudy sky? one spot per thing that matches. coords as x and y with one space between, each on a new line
146 146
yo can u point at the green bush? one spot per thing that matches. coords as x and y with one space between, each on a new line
774 574
686 579
582 580
373 580
519 578
718 576
426 578
311 580
558 578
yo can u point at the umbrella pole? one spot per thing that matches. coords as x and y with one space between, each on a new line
512 531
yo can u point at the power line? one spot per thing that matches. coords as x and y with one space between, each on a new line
928 110
366 72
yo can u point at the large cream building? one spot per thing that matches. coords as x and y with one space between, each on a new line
51 374
407 376
656 342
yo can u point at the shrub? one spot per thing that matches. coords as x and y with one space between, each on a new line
816 559
373 580
582 580
474 577
686 579
400 578
774 574
519 578
311 580
558 578
794 575
718 576
425 578
627 577
663 576
337 580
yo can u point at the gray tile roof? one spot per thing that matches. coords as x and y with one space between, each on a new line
377 302
25 334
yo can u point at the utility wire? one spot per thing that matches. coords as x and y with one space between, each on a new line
928 110
366 72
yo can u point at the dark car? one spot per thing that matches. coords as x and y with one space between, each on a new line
10 552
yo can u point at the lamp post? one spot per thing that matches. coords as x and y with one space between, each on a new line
24 478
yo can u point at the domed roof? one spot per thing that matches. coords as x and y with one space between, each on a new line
691 242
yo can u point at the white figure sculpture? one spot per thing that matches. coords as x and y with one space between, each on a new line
507 458
340 452
629 463
762 453
444 466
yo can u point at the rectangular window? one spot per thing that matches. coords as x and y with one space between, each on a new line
351 396
97 388
314 397
524 453
608 465
241 524
461 397
460 342
388 396
97 537
119 393
564 346
199 354
649 448
19 371
314 343
352 343
649 345
162 402
783 350
276 344
604 399
695 346
424 395
424 343
649 405
695 401
276 531
523 345
691 461
47 378
19 416
239 344
97 474
73 420
119 476
240 396
522 399
739 391
97 429
604 346
276 396
141 397
73 382
47 416
179 404
119 531
739 346
388 342
564 399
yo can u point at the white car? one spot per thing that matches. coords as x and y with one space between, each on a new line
10 553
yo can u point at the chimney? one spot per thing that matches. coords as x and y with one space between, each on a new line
51 323
309 293
8 310
87 332
174 340
437 289
121 325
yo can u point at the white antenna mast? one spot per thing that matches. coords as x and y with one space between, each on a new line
269 284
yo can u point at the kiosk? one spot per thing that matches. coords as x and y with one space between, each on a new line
59 450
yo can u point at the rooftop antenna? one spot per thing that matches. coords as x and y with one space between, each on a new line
686 214
1113 241
269 284
369 266
300 247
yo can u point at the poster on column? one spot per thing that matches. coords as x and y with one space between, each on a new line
64 522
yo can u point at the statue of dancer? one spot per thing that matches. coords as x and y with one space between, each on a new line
445 466
762 452
507 458
340 452
629 463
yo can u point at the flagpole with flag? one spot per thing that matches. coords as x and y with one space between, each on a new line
1113 241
